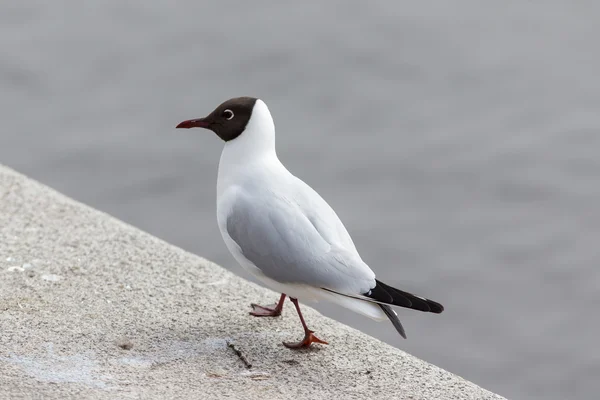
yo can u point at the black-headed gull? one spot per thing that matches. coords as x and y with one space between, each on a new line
279 229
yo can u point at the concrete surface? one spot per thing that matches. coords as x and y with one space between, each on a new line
93 308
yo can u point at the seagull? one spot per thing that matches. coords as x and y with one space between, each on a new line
283 232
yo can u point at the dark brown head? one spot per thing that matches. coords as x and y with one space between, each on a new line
228 120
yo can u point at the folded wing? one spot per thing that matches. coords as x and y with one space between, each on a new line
278 238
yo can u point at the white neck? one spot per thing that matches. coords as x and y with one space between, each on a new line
255 145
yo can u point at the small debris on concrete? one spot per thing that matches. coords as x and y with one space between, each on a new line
257 375
125 344
291 362
239 354
216 373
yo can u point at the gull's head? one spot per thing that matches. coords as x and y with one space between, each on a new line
232 117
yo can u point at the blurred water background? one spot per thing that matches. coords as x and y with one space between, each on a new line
458 141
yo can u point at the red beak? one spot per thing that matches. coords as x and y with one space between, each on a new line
193 123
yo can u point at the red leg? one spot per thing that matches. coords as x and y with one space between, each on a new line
273 310
309 337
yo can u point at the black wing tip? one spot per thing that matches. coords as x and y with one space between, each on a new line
393 317
435 307
397 297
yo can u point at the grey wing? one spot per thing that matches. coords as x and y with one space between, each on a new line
278 238
323 217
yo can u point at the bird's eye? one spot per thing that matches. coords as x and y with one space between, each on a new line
228 114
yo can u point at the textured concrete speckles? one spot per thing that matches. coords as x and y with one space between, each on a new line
91 307
47 366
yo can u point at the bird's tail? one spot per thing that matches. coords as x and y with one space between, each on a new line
391 314
385 294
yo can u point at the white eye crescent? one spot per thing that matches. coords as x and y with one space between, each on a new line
228 114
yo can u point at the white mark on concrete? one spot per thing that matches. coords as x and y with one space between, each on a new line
136 362
256 375
216 373
215 343
51 367
220 282
177 350
51 277
15 269
27 266
10 259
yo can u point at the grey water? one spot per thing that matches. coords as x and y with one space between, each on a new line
458 141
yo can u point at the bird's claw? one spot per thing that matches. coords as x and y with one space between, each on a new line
309 338
265 311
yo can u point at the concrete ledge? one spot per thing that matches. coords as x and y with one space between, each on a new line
93 308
